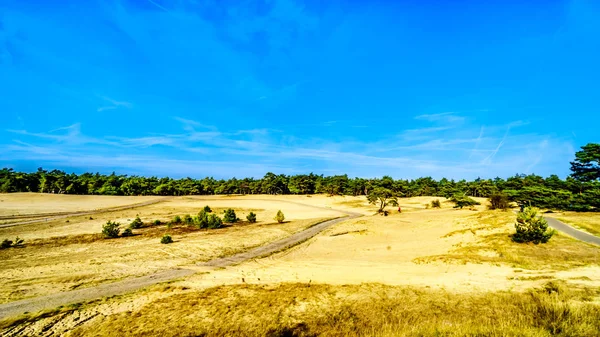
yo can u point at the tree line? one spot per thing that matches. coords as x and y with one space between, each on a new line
579 191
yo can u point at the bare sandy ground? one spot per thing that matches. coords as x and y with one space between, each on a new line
89 224
369 249
38 203
43 269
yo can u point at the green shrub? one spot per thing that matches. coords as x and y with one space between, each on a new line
111 229
136 223
156 223
127 232
207 209
279 217
251 217
201 220
230 216
499 201
176 219
531 228
187 219
213 221
166 239
6 243
436 203
462 201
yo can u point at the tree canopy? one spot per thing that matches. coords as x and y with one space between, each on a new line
586 166
581 191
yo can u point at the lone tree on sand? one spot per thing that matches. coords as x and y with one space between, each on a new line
382 197
531 228
279 217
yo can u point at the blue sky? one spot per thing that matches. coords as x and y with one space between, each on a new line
455 89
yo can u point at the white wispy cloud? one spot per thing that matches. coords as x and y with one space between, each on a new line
114 104
440 151
446 117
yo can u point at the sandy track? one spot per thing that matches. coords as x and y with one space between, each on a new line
128 285
44 217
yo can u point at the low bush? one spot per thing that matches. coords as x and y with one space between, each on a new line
127 232
279 217
213 221
166 239
436 203
176 219
6 243
136 223
230 216
188 220
531 228
156 222
462 201
207 209
251 217
499 201
111 229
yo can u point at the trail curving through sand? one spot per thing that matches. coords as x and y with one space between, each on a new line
128 285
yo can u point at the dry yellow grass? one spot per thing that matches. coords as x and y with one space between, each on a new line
495 246
356 310
586 221
446 272
52 265
61 255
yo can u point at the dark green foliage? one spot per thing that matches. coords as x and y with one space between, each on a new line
188 220
383 197
127 232
463 201
279 217
586 166
531 228
436 203
214 222
166 239
251 217
499 201
136 223
574 193
230 216
176 220
6 243
111 229
156 222
542 197
207 209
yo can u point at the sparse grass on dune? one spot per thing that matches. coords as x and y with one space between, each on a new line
587 221
496 246
357 310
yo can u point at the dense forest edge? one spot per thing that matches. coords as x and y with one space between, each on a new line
580 191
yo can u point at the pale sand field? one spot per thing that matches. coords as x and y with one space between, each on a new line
393 250
42 269
36 203
165 211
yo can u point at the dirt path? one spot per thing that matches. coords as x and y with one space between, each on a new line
44 217
52 301
571 231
